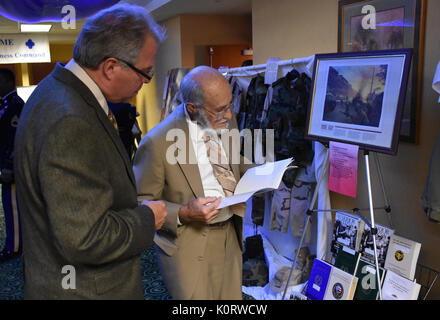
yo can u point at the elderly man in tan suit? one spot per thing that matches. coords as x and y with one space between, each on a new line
200 247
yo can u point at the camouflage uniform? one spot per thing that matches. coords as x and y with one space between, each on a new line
287 116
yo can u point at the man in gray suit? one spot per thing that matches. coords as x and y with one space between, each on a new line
83 230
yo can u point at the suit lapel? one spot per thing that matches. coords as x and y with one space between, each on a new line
69 78
189 167
230 149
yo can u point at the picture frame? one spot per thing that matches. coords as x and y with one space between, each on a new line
357 98
399 24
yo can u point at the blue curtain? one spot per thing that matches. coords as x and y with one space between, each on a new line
32 11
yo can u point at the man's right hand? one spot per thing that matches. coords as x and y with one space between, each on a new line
200 209
159 210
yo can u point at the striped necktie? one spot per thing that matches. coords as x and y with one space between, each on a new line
112 119
223 173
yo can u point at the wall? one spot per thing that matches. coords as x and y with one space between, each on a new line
185 46
293 28
149 99
303 28
202 30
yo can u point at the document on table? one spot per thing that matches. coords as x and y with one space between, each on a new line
258 179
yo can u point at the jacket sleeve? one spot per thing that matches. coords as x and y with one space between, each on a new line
79 198
149 172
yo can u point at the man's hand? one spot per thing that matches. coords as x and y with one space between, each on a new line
200 209
159 210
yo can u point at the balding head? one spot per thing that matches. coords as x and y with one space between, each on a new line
199 83
204 88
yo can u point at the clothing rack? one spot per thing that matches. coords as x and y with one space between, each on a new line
322 198
252 70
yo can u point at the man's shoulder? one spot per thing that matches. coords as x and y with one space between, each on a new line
173 122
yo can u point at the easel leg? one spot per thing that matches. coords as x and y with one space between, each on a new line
309 213
382 184
373 225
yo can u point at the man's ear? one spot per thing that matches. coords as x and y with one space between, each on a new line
192 108
108 68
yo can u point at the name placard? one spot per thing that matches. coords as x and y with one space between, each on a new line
24 48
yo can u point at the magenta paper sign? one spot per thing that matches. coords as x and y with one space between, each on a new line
343 168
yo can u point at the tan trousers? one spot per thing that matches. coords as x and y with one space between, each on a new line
221 273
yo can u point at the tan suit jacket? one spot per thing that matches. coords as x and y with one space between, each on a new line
182 247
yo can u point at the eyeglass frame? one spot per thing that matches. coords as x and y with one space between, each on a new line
132 67
218 115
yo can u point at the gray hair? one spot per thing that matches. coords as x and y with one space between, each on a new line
191 91
118 31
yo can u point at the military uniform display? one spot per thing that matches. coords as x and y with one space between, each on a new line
11 106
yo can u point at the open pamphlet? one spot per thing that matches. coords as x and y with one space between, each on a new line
262 178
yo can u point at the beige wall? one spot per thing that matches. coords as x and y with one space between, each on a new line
302 28
293 28
169 55
187 37
204 30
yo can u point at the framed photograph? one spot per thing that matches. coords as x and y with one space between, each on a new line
386 25
358 97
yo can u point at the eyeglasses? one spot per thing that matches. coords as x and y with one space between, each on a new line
219 115
149 75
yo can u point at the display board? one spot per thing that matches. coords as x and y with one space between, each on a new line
357 98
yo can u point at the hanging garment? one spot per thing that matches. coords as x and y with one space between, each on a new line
255 97
171 98
238 102
261 155
287 116
258 204
255 269
302 191
431 195
279 220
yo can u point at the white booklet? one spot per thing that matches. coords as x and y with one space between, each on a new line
341 285
402 256
257 179
396 287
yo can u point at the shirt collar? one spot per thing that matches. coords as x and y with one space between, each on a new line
82 75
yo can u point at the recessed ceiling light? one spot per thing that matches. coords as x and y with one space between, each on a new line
35 27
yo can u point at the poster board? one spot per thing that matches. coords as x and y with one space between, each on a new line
357 98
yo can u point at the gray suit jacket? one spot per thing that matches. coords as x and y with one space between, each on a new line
77 197
182 248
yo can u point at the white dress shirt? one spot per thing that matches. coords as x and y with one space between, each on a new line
211 186
79 72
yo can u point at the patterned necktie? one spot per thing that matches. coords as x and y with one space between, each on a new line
112 119
223 173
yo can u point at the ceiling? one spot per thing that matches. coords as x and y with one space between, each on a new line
160 9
